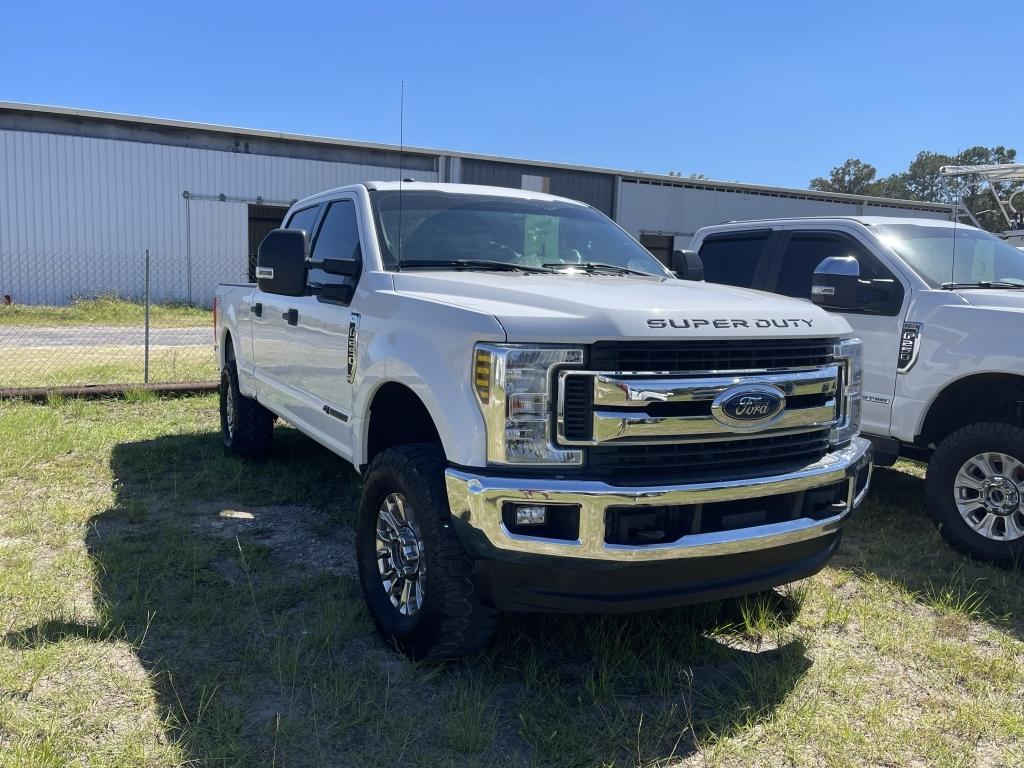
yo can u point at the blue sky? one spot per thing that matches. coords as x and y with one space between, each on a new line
766 92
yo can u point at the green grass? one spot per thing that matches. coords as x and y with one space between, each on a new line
78 366
163 605
105 310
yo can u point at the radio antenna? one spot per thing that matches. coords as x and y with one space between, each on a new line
401 158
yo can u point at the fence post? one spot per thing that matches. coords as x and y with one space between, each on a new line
188 244
145 369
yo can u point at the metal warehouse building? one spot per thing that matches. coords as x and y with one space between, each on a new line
84 194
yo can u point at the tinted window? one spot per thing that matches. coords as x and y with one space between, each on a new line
732 260
338 238
339 234
879 293
806 251
304 219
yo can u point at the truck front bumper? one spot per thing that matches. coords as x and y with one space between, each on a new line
589 573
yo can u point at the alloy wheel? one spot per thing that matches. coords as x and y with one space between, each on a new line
989 494
229 414
400 560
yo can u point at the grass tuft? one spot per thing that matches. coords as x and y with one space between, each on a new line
108 309
162 605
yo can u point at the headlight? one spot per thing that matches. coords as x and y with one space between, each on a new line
850 357
514 386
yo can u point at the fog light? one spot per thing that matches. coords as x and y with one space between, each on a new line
531 515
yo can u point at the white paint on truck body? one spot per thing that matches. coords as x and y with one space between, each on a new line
964 332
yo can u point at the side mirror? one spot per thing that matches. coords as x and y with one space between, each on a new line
281 262
687 265
835 283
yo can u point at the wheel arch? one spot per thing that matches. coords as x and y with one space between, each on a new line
226 348
970 399
396 415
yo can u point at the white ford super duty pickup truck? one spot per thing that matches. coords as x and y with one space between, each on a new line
940 309
545 418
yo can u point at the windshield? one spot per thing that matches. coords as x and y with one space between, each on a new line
441 228
979 257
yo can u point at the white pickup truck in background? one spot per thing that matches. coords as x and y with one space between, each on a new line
940 308
545 418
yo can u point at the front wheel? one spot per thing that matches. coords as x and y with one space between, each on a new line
417 579
975 490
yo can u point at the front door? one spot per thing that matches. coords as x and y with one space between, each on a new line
876 321
319 348
275 337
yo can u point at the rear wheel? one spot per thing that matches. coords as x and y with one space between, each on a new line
975 488
417 579
246 427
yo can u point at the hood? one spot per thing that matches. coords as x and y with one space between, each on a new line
1010 299
585 308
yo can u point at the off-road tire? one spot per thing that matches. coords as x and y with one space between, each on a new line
950 455
253 429
451 621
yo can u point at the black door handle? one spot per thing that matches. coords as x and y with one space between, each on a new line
257 309
292 316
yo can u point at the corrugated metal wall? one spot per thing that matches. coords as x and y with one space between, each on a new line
596 189
682 210
76 213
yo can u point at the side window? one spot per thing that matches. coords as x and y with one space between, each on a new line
880 292
733 259
304 219
802 256
337 239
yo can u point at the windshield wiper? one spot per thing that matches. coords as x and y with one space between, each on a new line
498 266
596 266
983 284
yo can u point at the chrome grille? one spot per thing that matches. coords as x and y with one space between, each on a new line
632 409
656 415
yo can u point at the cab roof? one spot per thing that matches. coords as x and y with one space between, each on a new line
433 186
868 221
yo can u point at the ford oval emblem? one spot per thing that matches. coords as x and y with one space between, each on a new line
749 407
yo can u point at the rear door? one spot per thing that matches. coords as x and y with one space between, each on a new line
877 320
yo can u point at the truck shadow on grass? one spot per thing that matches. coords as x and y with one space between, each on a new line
236 587
892 538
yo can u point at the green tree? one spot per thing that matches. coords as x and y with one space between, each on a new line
922 181
854 177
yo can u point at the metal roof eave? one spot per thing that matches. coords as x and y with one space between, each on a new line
678 181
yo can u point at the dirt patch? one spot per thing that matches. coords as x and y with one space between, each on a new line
294 534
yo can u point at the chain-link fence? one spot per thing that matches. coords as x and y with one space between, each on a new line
85 319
